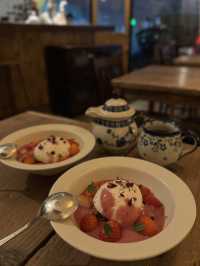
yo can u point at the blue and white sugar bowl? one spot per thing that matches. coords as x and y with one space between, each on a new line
114 125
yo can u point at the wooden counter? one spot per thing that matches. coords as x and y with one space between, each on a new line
188 60
23 45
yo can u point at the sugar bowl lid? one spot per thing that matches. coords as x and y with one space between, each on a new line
114 109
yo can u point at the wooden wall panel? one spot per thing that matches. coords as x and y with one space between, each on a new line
22 48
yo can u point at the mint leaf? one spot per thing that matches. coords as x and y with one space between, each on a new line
138 227
91 188
107 229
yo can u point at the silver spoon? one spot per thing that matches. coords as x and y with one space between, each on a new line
57 207
7 150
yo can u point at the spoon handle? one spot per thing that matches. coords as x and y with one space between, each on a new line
4 240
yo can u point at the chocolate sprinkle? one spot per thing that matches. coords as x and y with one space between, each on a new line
54 140
53 152
111 185
129 184
134 198
129 202
101 218
122 195
40 147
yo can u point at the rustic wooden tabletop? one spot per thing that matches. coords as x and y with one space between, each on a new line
168 84
21 195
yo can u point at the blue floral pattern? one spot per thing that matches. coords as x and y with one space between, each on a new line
120 141
157 143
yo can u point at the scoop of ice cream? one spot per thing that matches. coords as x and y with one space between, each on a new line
120 200
51 150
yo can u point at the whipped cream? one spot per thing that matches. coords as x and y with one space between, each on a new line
123 192
51 150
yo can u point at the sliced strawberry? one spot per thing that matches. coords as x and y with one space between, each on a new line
150 199
144 190
150 228
89 223
126 215
110 231
107 203
98 184
31 145
29 159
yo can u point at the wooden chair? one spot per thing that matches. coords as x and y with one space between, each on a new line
107 68
164 54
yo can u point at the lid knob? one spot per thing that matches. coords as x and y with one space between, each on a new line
116 105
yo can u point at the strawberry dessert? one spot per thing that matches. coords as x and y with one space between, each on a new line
50 150
119 211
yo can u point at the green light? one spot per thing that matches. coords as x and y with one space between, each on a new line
133 22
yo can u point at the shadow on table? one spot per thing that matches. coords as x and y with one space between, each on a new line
38 187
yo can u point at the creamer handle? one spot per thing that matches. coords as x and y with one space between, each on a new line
193 146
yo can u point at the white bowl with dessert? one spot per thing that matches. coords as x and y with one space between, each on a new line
48 149
129 209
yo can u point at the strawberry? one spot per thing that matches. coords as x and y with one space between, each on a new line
150 199
89 223
150 228
74 149
110 231
85 201
29 159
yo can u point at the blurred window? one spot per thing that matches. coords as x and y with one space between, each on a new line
111 13
79 11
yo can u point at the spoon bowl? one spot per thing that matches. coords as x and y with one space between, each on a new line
57 207
7 150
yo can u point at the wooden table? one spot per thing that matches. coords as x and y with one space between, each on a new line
167 84
21 195
188 60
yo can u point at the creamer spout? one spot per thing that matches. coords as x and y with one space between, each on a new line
92 112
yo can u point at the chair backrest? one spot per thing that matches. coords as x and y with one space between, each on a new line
107 68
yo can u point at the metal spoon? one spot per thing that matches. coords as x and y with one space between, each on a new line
57 207
7 150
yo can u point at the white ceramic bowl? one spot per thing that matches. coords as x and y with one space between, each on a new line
85 139
173 193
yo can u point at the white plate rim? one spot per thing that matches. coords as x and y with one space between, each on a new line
87 138
159 244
